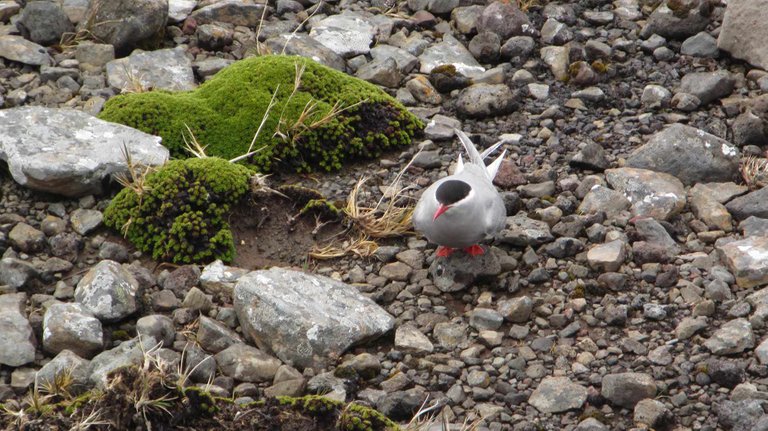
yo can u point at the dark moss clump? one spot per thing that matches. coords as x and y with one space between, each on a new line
351 417
329 118
181 214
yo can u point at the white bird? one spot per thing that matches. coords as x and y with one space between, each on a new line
460 210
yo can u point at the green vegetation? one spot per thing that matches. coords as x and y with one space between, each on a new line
179 213
313 116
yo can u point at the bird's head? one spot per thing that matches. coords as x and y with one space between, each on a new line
451 194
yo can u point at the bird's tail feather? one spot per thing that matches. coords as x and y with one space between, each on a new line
478 158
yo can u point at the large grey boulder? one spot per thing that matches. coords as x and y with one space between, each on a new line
17 343
44 22
108 291
162 69
305 320
125 23
690 154
744 31
347 34
70 326
68 152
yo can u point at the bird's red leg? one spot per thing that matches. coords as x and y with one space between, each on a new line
475 250
444 251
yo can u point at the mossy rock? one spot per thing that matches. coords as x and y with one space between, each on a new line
224 113
181 216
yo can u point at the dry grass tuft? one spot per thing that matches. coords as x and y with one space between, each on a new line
390 217
754 171
136 180
361 246
424 419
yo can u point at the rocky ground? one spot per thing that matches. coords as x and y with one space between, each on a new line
625 292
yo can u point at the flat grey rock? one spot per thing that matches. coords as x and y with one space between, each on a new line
68 152
16 48
17 344
305 46
247 363
690 154
652 194
305 320
247 13
558 394
753 204
450 51
601 198
708 86
347 34
164 69
746 259
733 337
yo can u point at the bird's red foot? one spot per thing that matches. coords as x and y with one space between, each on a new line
444 251
475 250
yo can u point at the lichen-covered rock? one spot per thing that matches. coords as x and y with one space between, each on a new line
108 291
181 215
331 117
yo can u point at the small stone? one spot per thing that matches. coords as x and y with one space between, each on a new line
627 389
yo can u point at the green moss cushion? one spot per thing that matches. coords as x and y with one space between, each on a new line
180 216
225 112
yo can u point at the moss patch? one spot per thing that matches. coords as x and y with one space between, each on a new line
181 214
149 398
225 112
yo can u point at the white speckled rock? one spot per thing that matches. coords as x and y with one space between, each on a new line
70 326
108 291
68 152
747 259
164 69
305 320
348 34
733 337
450 51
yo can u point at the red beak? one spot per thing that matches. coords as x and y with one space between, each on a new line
440 210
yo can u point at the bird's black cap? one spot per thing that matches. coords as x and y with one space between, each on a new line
452 191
